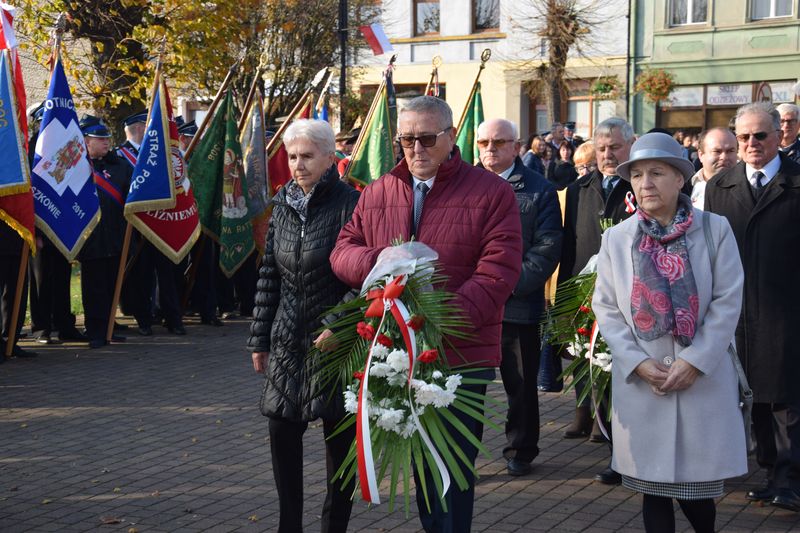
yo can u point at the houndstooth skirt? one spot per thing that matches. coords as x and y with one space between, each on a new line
692 490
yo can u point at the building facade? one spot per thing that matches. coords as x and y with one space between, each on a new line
457 31
722 53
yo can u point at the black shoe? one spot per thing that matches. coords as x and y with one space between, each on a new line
177 330
764 494
213 321
22 353
145 331
97 343
787 499
118 338
72 335
518 467
609 477
120 327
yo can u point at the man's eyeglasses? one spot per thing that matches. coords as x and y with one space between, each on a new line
759 136
408 141
498 143
788 120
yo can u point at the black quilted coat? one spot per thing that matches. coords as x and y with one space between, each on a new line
295 287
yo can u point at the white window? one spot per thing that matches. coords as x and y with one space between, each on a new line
688 12
766 9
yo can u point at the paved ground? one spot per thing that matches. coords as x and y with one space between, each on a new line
163 434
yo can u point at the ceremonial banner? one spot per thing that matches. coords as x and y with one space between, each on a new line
8 41
160 172
16 200
65 198
152 185
278 159
255 171
468 129
236 236
373 154
205 171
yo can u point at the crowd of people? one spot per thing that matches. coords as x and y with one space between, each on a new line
695 282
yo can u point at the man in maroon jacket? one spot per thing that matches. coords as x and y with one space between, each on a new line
470 217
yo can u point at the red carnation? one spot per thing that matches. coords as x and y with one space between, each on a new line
365 330
584 331
585 309
416 322
386 341
358 375
429 356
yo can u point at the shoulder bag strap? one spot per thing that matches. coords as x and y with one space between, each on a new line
712 253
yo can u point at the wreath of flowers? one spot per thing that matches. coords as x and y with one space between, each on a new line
656 84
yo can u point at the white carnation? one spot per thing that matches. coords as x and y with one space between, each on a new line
391 419
398 360
350 401
379 352
436 374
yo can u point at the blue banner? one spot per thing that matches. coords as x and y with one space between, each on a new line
64 195
152 184
14 176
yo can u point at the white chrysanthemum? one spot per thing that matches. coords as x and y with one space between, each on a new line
397 380
391 420
350 401
381 370
436 374
398 360
452 382
379 352
432 394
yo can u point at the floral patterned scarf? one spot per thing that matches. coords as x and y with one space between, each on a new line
664 295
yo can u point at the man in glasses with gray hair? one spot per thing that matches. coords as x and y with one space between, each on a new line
760 197
541 250
470 217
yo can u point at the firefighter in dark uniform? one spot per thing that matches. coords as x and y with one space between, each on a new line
151 280
100 255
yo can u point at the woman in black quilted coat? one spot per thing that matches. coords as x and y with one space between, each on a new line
295 288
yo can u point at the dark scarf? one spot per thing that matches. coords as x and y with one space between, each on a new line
664 295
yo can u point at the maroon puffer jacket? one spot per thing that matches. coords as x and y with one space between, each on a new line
470 218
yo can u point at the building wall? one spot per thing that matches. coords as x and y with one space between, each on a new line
722 61
515 48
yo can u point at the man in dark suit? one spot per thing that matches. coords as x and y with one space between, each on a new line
760 197
593 198
790 126
541 249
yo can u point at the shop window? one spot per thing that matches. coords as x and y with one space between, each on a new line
485 15
426 17
684 12
767 9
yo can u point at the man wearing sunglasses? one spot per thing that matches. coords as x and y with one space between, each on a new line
760 197
541 249
470 217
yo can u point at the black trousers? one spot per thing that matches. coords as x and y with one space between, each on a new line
458 517
98 278
204 291
9 272
519 369
50 274
152 265
286 444
777 431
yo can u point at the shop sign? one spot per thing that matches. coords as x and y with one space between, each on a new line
782 91
729 94
686 97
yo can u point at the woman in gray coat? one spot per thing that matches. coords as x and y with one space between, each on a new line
668 312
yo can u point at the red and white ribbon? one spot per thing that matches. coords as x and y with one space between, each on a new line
366 460
630 202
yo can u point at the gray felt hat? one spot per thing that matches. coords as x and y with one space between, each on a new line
658 146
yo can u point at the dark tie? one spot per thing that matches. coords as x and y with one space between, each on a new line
420 192
759 176
608 186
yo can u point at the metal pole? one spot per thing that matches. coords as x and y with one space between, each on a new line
343 60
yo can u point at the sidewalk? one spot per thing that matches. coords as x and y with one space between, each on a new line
163 433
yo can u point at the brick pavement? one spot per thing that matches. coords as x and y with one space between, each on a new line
164 434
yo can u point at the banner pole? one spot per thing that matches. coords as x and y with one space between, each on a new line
211 109
250 96
484 58
12 329
126 243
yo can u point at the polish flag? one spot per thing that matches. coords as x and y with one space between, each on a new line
376 38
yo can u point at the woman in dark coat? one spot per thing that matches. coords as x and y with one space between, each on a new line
564 172
295 288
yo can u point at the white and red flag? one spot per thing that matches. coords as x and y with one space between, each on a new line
376 38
